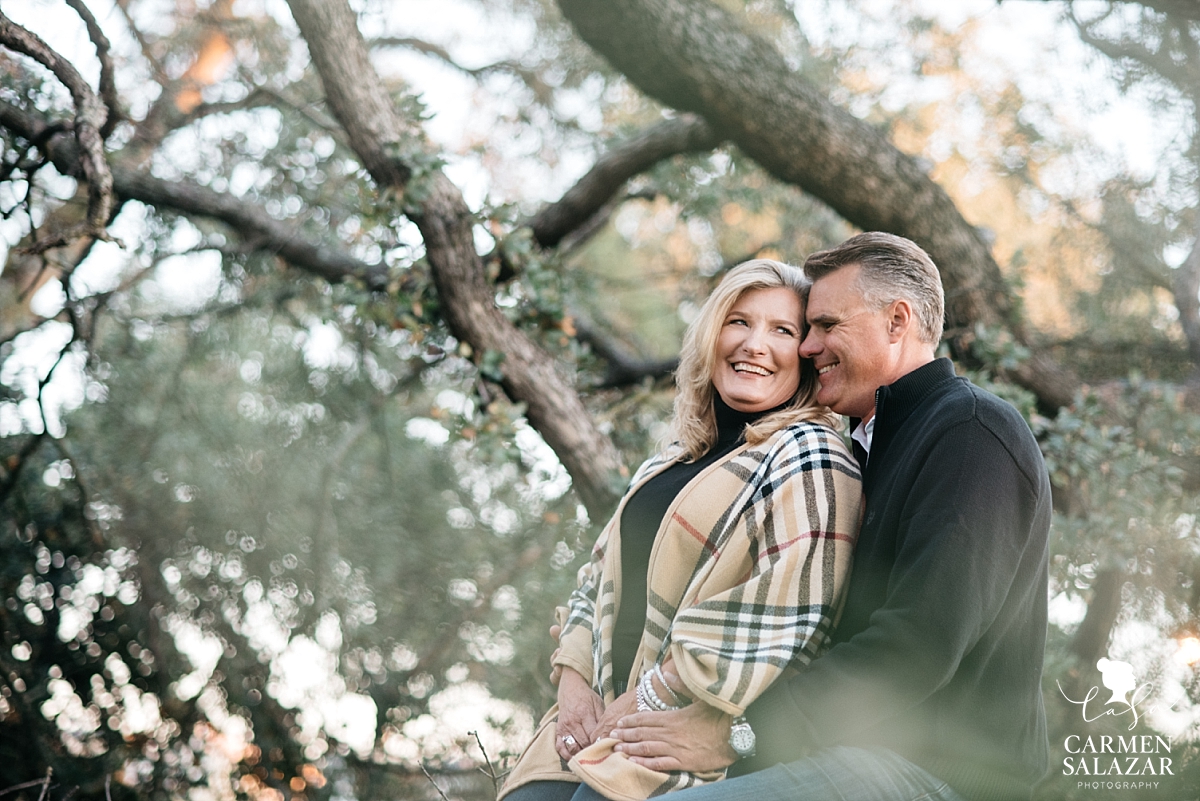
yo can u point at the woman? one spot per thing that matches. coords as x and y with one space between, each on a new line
726 559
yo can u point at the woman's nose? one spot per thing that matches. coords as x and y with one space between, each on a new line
755 341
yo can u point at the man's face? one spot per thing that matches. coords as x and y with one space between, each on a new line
848 342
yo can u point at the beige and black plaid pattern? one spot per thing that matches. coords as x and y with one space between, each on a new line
745 578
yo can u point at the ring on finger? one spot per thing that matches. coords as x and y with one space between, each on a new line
569 740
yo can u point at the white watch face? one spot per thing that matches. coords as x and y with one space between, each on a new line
741 739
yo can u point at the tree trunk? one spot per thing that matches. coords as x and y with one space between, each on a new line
1091 640
1185 286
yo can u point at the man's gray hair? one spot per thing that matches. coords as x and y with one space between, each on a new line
893 268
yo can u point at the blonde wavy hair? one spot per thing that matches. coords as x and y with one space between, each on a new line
695 423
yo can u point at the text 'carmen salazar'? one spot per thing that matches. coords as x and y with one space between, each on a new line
1106 755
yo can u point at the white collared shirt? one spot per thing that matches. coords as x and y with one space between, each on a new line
864 433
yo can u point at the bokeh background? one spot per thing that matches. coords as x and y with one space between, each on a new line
277 521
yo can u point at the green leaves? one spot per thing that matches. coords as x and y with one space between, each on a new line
490 365
1125 464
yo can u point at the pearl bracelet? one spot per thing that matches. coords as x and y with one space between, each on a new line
646 691
642 704
658 672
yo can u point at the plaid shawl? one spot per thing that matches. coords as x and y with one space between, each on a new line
745 577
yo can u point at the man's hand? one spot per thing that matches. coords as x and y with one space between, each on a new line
695 738
555 670
578 710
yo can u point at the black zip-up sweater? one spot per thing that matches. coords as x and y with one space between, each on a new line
938 653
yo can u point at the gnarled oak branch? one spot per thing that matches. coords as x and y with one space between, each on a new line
362 106
685 134
108 76
249 220
696 56
90 117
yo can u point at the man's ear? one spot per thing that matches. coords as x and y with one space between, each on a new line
900 319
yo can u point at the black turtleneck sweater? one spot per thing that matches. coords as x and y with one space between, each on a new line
938 653
641 519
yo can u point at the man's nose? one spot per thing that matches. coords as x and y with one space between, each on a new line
810 345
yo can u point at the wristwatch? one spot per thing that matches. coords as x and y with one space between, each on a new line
741 737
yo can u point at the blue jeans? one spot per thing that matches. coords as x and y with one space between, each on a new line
831 774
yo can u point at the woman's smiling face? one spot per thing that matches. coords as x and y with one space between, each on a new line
758 356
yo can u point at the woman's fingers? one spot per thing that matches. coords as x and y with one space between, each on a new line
572 737
567 741
577 723
619 708
595 711
563 752
565 748
579 709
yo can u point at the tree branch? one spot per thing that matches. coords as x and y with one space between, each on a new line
305 110
685 134
592 225
248 219
543 92
355 93
13 466
266 232
1185 286
696 56
108 82
1186 9
265 96
1183 76
257 98
623 369
90 116
360 102
160 74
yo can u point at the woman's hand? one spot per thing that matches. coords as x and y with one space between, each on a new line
673 682
579 709
555 670
625 704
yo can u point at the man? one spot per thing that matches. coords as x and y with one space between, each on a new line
931 686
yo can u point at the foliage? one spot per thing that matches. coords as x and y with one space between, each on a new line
1126 470
289 529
